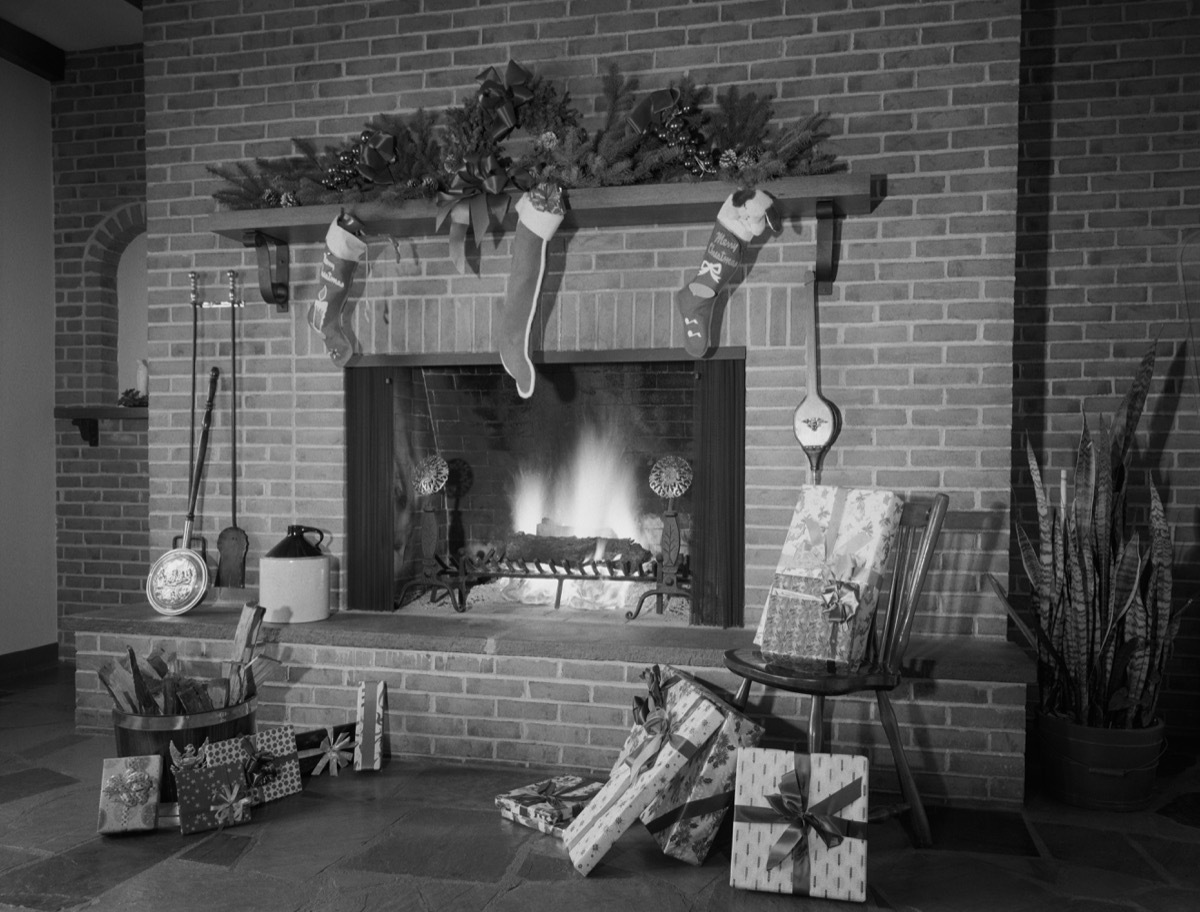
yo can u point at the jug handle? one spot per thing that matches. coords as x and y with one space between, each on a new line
304 530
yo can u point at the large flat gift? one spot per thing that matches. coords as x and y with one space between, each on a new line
799 824
548 805
685 816
269 758
212 797
825 589
665 738
129 794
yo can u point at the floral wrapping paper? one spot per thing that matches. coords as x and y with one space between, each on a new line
823 597
269 758
548 805
775 848
212 797
685 816
129 794
664 745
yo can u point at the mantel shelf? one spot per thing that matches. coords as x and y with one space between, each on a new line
640 205
87 417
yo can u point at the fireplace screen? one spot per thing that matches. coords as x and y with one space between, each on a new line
547 500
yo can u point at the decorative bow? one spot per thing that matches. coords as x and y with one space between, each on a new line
655 701
545 795
710 267
336 753
841 592
262 766
651 108
376 156
788 806
478 187
131 788
501 98
229 804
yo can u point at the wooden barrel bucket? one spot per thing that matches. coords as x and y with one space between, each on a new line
141 736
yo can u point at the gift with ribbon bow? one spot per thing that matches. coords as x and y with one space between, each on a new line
799 824
663 740
309 748
548 805
129 794
213 797
269 759
822 599
335 751
685 816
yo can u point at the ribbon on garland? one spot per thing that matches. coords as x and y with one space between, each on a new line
474 202
500 98
650 109
376 156
790 805
229 805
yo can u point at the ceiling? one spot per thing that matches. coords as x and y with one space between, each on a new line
60 26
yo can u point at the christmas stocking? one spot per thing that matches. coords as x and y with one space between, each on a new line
696 313
344 247
743 216
539 211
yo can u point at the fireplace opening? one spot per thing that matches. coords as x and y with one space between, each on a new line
549 500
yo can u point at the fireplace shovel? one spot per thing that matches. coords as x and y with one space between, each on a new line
232 543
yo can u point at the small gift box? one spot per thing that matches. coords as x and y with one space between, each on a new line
269 758
665 736
329 748
822 599
129 794
368 729
212 797
684 817
548 805
799 824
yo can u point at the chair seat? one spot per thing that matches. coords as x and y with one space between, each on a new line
748 662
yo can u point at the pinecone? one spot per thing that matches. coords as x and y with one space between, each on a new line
269 199
288 199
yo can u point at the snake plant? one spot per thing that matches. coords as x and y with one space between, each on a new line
1104 625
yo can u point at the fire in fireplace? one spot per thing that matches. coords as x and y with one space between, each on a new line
566 469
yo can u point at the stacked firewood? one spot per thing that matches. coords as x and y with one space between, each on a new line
156 684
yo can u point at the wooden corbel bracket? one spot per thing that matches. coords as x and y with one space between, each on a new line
89 430
273 261
829 225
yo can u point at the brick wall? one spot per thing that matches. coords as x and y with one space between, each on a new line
1109 195
98 134
964 740
916 335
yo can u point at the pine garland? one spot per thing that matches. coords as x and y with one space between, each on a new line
401 157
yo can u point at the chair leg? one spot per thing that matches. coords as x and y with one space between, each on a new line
908 785
816 724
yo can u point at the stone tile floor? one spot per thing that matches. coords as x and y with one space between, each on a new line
426 836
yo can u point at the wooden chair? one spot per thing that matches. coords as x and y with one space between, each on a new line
920 526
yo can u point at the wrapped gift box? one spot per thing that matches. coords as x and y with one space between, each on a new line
269 758
799 824
129 794
368 729
685 816
326 750
212 797
548 805
664 739
822 599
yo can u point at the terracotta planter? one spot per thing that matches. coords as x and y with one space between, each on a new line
1108 769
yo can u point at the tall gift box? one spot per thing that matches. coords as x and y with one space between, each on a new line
269 758
548 805
685 816
823 596
129 794
799 824
212 797
664 739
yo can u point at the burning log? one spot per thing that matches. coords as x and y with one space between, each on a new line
562 549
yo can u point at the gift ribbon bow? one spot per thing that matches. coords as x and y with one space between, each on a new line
656 695
546 793
262 766
130 788
788 806
501 98
840 593
336 753
229 804
653 107
479 186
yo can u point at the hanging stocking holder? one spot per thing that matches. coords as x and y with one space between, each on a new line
273 261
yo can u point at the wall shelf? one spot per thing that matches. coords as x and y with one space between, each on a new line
827 196
87 417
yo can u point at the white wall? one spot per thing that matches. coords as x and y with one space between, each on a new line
28 586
